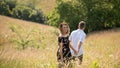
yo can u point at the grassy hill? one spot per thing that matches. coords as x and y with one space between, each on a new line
26 44
46 6
14 33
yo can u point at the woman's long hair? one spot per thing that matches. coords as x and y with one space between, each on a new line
60 28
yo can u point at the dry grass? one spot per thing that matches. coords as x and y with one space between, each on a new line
46 6
42 44
101 48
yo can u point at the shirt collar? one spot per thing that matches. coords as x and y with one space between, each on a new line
79 29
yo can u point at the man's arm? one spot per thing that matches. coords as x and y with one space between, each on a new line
70 45
73 48
79 45
81 40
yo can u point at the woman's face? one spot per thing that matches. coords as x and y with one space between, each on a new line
65 28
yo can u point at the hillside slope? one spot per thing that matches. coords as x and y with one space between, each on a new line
101 49
13 35
24 28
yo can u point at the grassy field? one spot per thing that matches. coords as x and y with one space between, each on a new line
47 6
26 44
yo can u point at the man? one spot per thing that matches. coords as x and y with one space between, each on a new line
77 38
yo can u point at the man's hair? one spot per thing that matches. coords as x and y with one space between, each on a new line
82 24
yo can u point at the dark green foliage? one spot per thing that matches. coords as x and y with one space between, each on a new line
37 16
4 9
97 14
101 14
66 11
21 11
11 3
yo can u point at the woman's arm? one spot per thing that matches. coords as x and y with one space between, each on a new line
61 54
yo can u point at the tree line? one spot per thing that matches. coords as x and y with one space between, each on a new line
21 11
98 14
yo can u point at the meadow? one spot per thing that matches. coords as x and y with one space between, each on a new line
47 6
25 44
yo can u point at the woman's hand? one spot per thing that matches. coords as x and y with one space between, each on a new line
75 52
61 53
62 60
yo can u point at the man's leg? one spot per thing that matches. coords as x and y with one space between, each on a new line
80 59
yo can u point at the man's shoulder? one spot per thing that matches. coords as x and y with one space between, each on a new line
81 32
74 31
84 33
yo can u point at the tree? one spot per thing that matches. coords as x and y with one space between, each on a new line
4 8
98 14
70 11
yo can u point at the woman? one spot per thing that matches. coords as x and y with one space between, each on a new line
63 53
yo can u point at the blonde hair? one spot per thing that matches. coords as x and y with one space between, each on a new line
60 28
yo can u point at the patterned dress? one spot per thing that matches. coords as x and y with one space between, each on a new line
65 50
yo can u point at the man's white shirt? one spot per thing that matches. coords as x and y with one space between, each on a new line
75 38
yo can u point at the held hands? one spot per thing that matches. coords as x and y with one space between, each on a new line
75 52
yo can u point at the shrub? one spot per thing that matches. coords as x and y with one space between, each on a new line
4 8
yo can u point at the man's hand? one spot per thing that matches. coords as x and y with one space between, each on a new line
76 52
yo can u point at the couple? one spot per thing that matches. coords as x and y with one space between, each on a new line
70 47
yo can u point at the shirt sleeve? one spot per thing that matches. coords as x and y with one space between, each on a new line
82 38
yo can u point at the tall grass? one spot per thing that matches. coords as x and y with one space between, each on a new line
22 41
101 49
